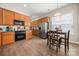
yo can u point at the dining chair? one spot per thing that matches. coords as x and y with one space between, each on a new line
49 34
53 39
63 39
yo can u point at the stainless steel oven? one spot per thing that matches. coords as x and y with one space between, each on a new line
19 35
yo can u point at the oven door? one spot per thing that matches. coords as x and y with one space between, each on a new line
19 36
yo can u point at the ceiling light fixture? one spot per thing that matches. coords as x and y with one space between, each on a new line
58 13
25 5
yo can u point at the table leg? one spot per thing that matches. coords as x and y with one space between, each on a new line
65 43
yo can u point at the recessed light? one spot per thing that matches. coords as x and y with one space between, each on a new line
25 5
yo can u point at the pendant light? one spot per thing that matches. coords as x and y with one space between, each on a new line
57 13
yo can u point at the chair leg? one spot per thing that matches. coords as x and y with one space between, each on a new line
65 46
68 45
47 41
57 48
50 43
59 43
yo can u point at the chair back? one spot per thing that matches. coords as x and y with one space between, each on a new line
68 34
49 34
54 34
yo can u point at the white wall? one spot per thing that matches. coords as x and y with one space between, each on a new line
74 9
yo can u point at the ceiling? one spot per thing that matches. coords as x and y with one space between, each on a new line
35 10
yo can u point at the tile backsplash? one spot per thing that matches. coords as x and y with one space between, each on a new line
6 28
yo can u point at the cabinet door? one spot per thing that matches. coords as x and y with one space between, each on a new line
8 38
29 35
35 23
17 16
27 20
8 17
0 15
22 17
0 39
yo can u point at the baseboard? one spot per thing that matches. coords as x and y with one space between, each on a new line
74 42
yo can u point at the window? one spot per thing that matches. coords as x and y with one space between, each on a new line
65 21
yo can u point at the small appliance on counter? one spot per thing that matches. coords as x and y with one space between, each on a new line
0 29
3 28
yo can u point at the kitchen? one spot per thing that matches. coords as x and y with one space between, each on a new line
24 28
12 22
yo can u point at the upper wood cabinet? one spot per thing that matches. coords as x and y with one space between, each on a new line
39 21
44 20
34 23
8 17
19 16
27 20
1 16
22 17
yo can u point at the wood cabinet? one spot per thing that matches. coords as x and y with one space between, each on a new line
44 20
27 20
35 32
34 23
22 17
0 39
19 16
29 35
39 21
8 17
1 16
8 37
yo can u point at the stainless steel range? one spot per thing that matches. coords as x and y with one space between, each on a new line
20 34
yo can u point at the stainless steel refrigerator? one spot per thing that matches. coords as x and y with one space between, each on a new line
43 30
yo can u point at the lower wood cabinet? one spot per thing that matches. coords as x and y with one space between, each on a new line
8 37
29 35
0 39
